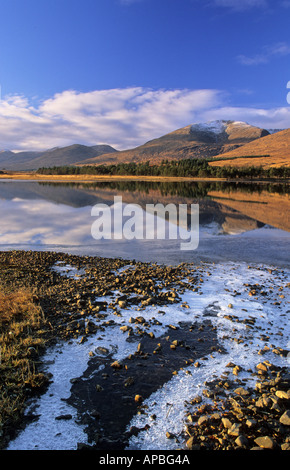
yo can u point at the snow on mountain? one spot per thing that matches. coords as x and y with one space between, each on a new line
219 126
212 126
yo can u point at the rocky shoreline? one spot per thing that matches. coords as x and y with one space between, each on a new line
248 419
85 298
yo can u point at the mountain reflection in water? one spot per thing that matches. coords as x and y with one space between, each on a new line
237 221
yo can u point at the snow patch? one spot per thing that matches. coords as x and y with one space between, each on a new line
217 127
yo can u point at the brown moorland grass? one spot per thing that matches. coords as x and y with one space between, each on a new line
21 323
274 147
33 176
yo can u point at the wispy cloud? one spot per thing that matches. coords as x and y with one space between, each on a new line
272 118
123 118
280 49
129 2
240 5
285 4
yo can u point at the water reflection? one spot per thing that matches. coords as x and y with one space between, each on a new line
236 220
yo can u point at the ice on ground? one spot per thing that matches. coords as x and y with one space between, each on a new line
168 403
47 433
234 290
67 270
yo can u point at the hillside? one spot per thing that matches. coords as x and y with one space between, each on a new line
54 157
228 141
193 141
271 151
9 160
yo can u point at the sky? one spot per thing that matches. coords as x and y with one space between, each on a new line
122 72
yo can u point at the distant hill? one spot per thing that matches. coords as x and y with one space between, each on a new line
228 141
193 141
54 157
269 151
8 159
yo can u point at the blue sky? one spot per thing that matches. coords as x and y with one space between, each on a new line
125 71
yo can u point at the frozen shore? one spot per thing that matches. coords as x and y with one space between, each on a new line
210 316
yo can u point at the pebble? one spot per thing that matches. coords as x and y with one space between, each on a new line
116 365
285 418
266 442
227 423
255 419
202 420
283 395
234 429
242 391
242 441
138 399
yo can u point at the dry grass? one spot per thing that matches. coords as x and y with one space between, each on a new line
18 306
21 340
32 176
276 146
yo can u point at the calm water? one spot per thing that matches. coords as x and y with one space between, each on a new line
238 222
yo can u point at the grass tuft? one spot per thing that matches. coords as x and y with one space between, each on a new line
22 330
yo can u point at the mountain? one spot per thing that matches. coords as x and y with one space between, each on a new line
53 157
227 140
10 160
4 154
193 141
270 151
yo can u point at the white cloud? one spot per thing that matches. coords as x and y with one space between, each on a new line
254 60
240 4
280 49
273 118
123 118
